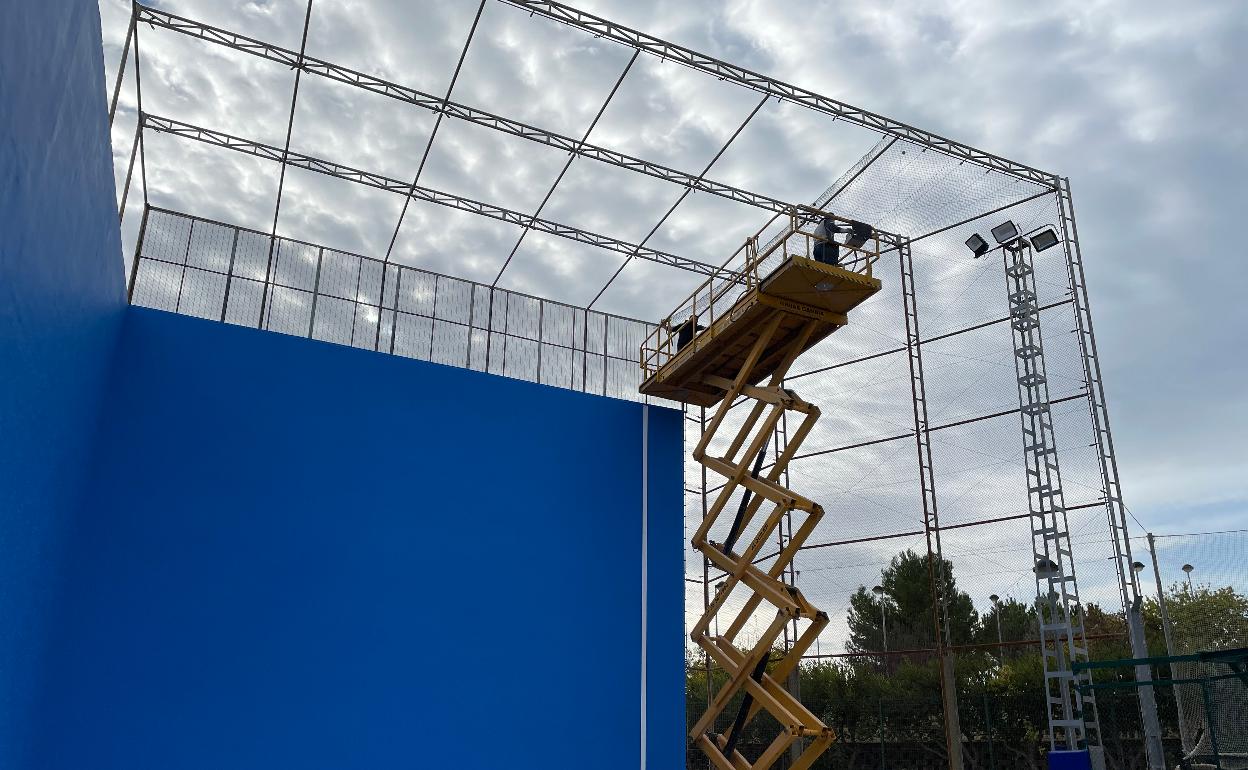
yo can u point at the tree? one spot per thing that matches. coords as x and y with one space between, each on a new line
1018 622
1204 619
908 608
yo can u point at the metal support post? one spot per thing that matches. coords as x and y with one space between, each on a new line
1185 736
931 517
1115 508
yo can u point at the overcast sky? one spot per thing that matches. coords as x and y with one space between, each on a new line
1141 103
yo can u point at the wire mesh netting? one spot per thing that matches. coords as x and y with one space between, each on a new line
1203 588
866 562
216 271
860 461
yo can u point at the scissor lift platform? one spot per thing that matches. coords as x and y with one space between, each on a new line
758 321
799 290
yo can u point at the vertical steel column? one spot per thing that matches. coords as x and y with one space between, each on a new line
1185 737
433 317
1115 509
792 683
931 517
706 563
229 275
186 258
121 68
472 306
138 254
316 292
1059 611
398 298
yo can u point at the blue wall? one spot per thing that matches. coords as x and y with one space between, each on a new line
227 548
297 554
61 304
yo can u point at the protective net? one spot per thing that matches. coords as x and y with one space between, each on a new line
1207 609
218 271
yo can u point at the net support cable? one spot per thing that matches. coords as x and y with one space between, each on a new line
706 170
567 165
437 123
281 179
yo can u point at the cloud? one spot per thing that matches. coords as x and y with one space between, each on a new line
1141 103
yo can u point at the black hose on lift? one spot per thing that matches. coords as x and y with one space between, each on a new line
735 531
738 724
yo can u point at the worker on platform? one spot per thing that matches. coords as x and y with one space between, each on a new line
827 250
687 331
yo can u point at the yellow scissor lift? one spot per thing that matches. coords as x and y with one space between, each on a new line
757 321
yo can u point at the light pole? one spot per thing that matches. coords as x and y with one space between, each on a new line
996 610
1188 569
879 593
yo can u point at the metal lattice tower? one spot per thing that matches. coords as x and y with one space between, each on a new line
1071 716
931 516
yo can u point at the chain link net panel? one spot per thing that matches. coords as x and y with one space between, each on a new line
1205 583
216 271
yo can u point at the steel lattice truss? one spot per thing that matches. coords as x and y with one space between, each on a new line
445 107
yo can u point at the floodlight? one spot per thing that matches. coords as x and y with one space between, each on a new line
1045 568
1045 239
859 233
977 245
1005 232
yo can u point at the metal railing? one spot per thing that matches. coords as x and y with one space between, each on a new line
716 296
199 267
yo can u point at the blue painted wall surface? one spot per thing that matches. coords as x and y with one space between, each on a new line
61 304
303 555
665 597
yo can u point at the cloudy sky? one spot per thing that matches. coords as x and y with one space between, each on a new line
1140 102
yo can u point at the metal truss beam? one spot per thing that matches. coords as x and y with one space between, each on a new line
429 195
931 516
453 109
600 27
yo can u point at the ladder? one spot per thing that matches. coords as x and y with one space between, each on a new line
1071 712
